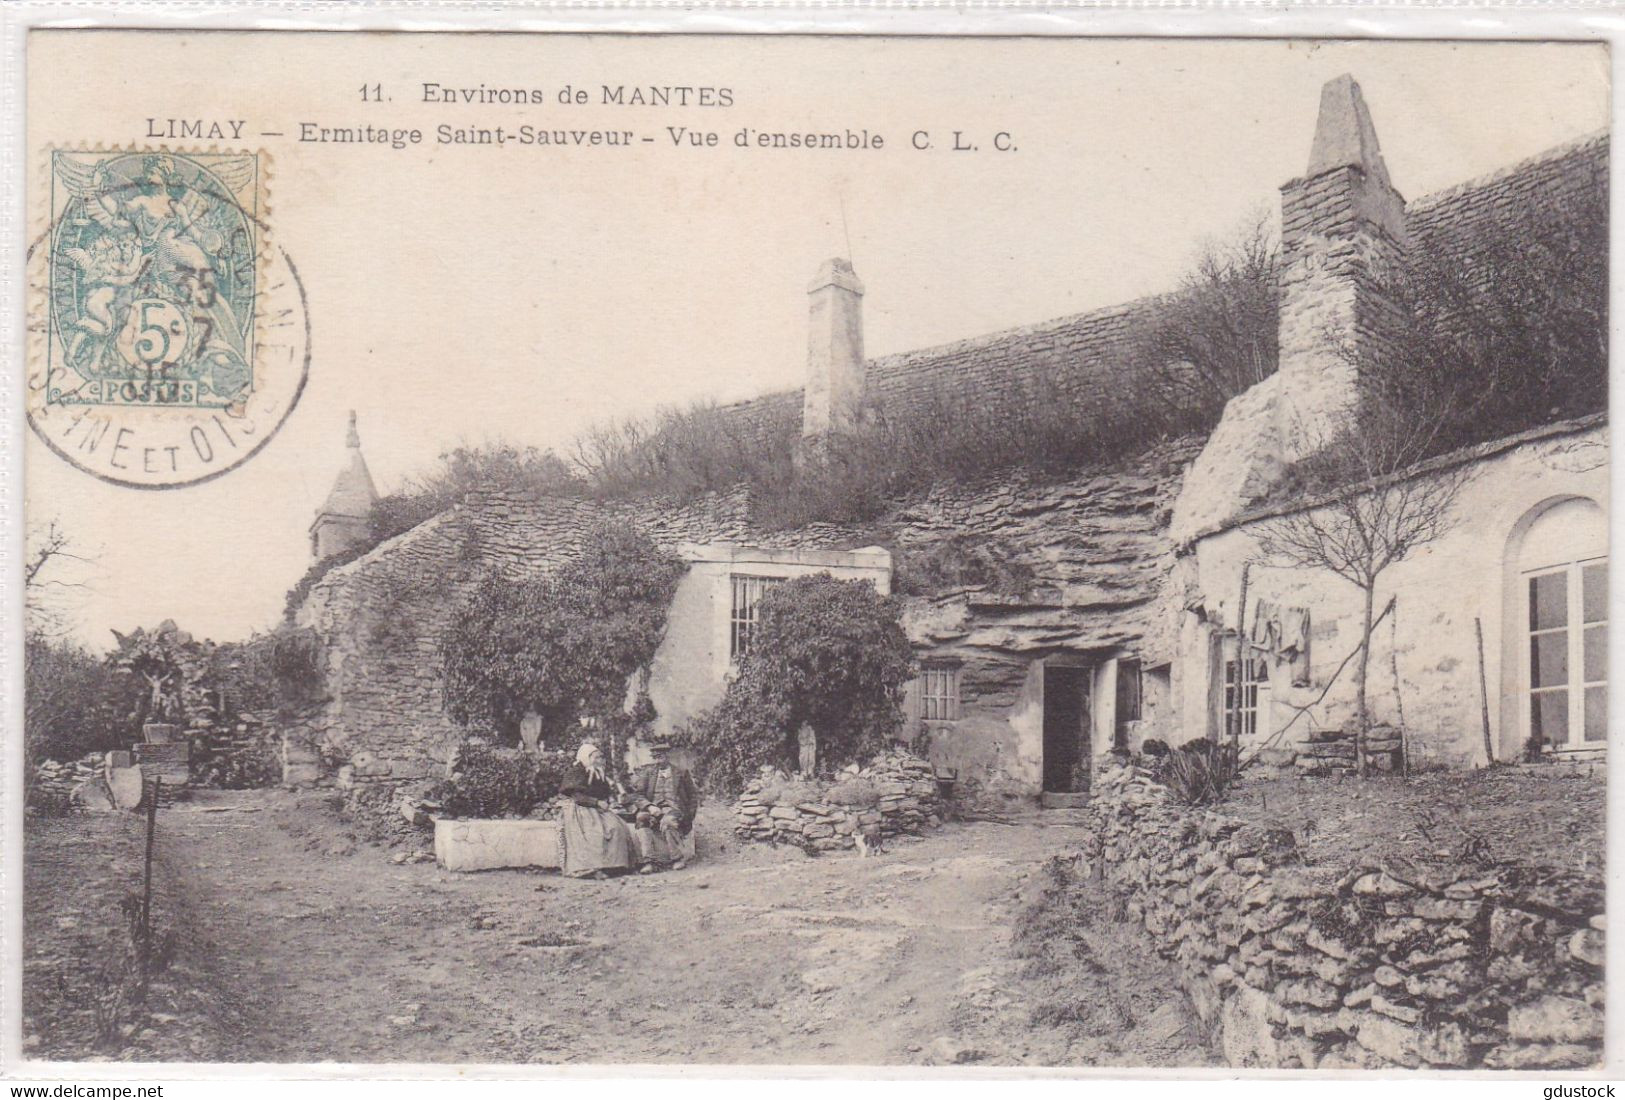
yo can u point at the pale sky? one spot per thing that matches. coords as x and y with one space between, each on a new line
463 294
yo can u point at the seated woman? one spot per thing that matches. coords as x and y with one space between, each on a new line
595 840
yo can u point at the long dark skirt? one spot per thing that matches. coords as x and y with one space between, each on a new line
595 840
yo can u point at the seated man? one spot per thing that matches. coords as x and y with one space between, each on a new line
667 801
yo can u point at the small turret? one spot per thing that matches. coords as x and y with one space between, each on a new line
341 522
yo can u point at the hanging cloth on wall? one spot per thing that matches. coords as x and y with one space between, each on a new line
1295 643
1266 626
1284 632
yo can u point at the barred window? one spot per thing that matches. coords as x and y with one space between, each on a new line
939 693
1246 693
747 594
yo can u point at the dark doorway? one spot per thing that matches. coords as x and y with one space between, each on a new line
1066 720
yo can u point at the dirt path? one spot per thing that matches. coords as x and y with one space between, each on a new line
333 953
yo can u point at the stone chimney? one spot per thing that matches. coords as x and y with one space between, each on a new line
1342 232
834 387
342 520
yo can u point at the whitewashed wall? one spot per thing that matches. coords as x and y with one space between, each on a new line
1473 572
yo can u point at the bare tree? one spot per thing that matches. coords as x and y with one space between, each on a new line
51 543
71 700
1376 504
46 578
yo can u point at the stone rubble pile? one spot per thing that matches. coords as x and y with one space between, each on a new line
1372 966
897 793
246 734
1333 751
62 779
89 781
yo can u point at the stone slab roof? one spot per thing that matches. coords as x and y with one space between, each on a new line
1082 348
353 493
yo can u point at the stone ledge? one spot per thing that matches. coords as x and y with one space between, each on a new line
486 845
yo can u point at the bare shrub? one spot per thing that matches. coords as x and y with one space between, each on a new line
1502 326
684 452
1220 334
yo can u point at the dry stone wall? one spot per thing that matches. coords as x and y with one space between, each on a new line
59 781
1297 966
1067 358
382 617
1459 220
1336 751
1073 354
830 816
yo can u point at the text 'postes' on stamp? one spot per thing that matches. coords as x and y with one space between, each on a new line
170 338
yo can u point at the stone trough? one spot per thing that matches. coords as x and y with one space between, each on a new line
487 845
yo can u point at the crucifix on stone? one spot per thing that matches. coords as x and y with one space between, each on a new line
157 683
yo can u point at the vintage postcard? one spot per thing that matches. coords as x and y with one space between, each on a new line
829 550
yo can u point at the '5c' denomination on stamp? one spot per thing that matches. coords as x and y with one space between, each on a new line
170 335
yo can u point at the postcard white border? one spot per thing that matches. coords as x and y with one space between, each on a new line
1239 19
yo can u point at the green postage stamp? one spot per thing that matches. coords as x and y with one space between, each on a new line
174 332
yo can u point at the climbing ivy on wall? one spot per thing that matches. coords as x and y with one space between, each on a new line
565 644
827 653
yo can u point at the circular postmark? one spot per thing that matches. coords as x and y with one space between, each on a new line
169 338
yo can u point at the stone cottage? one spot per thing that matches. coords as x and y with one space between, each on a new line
1103 609
1498 628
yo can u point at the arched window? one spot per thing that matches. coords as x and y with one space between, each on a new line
1562 579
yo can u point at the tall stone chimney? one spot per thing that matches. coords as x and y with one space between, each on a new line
834 387
1342 233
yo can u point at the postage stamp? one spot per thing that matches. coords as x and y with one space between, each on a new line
171 336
